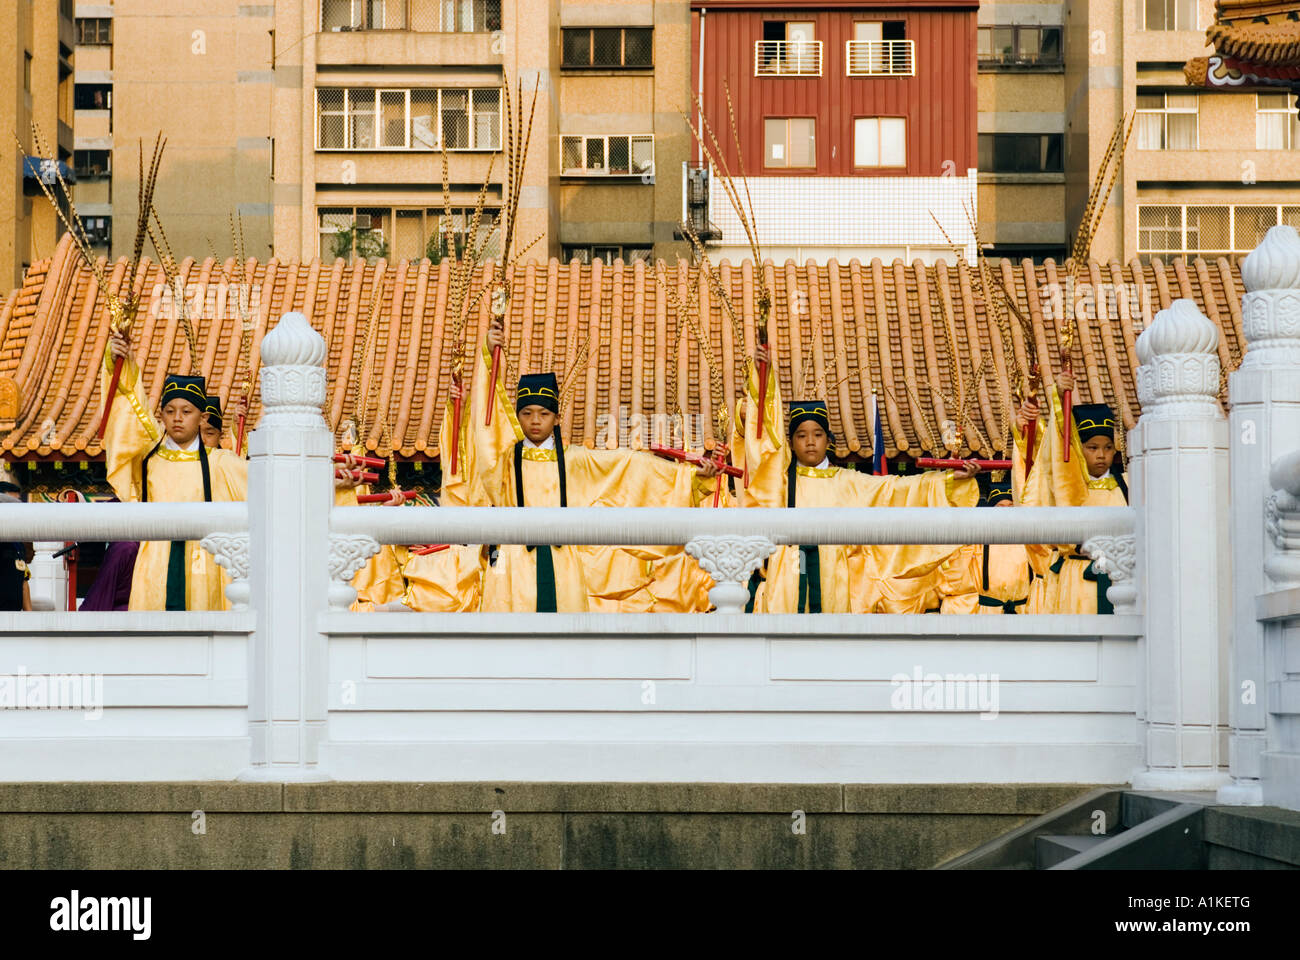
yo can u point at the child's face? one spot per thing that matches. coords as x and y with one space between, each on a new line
537 422
809 443
181 421
211 435
1100 454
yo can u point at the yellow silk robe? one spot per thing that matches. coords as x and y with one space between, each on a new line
610 478
380 580
1009 578
1034 489
1073 486
451 580
843 585
175 476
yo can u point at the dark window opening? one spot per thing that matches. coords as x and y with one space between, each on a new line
93 96
92 164
1020 152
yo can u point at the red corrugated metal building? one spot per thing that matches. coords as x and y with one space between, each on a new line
930 82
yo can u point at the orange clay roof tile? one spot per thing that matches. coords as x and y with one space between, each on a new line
847 329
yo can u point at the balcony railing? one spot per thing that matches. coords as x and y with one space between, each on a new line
447 16
871 58
781 58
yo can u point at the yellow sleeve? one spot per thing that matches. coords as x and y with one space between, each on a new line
492 443
131 430
934 488
630 478
465 488
1069 480
768 456
231 472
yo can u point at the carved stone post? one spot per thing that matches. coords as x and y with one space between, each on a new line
290 493
1264 425
729 560
1180 485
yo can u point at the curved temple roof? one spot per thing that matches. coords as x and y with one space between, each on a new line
858 327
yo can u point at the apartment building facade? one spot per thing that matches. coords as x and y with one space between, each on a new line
364 102
198 72
37 49
856 122
1021 54
1208 171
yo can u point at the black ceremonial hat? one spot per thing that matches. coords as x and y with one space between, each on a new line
992 493
212 407
192 389
814 410
1094 420
538 389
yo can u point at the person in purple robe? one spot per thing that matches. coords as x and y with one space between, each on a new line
112 587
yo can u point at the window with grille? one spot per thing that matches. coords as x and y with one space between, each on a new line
342 16
411 233
614 156
607 47
1167 121
94 31
1017 45
458 16
607 253
1171 230
790 142
880 142
1168 14
366 118
1020 152
99 230
1277 125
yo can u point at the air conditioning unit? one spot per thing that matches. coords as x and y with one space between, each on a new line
362 221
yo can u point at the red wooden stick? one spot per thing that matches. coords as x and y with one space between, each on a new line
365 476
492 384
932 463
673 453
432 548
383 497
239 439
363 461
1031 431
112 392
718 453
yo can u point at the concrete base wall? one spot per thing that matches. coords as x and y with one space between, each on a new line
511 825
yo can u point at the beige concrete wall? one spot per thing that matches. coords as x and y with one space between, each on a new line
206 84
608 102
29 227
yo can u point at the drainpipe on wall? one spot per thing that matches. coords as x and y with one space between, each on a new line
699 123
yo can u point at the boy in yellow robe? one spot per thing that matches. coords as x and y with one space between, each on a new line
797 472
522 461
990 577
151 460
1093 477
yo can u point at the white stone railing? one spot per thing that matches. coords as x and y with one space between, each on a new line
731 544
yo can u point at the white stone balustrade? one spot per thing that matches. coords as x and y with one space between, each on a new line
1178 479
1264 424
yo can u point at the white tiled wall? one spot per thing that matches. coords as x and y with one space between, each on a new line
853 212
